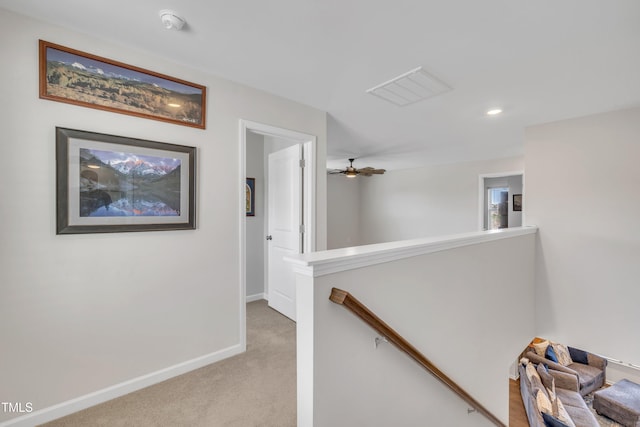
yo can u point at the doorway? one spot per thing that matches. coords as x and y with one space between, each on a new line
497 193
497 214
257 142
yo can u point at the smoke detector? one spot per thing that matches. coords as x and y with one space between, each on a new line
171 20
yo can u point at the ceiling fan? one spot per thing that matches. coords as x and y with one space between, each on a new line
351 172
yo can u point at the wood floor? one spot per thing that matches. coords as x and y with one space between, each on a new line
517 414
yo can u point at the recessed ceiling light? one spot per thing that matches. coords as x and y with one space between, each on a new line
494 112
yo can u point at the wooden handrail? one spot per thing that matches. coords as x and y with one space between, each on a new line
347 300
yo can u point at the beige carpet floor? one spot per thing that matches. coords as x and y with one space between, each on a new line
254 389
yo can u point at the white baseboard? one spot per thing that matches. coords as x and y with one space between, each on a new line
617 370
256 297
514 373
74 405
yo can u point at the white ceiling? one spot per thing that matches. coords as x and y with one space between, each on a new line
539 61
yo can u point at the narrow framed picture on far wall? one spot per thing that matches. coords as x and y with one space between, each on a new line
517 202
250 196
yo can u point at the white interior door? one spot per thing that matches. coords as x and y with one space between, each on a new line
284 200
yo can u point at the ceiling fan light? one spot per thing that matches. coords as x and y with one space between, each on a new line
351 174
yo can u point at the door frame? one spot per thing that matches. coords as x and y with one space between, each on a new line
309 149
482 196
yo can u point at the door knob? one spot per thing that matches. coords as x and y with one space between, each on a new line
269 238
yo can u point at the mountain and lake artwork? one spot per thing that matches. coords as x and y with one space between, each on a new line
115 184
126 184
79 78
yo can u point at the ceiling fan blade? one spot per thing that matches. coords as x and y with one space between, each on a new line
368 171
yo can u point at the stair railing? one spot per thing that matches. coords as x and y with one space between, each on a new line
345 299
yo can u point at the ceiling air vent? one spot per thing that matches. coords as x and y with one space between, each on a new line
409 88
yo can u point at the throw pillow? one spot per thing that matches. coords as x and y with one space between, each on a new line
553 397
543 402
551 421
546 378
578 356
536 384
550 354
562 353
563 415
531 372
540 347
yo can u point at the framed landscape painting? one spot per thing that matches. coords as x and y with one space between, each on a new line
108 183
74 77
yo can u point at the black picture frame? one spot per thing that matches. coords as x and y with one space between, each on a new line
110 184
74 77
517 202
250 196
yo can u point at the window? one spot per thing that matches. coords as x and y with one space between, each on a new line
497 208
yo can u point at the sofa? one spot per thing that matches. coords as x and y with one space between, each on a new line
551 398
589 369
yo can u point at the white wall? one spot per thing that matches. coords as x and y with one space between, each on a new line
466 308
582 191
80 313
516 186
256 224
429 201
343 211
